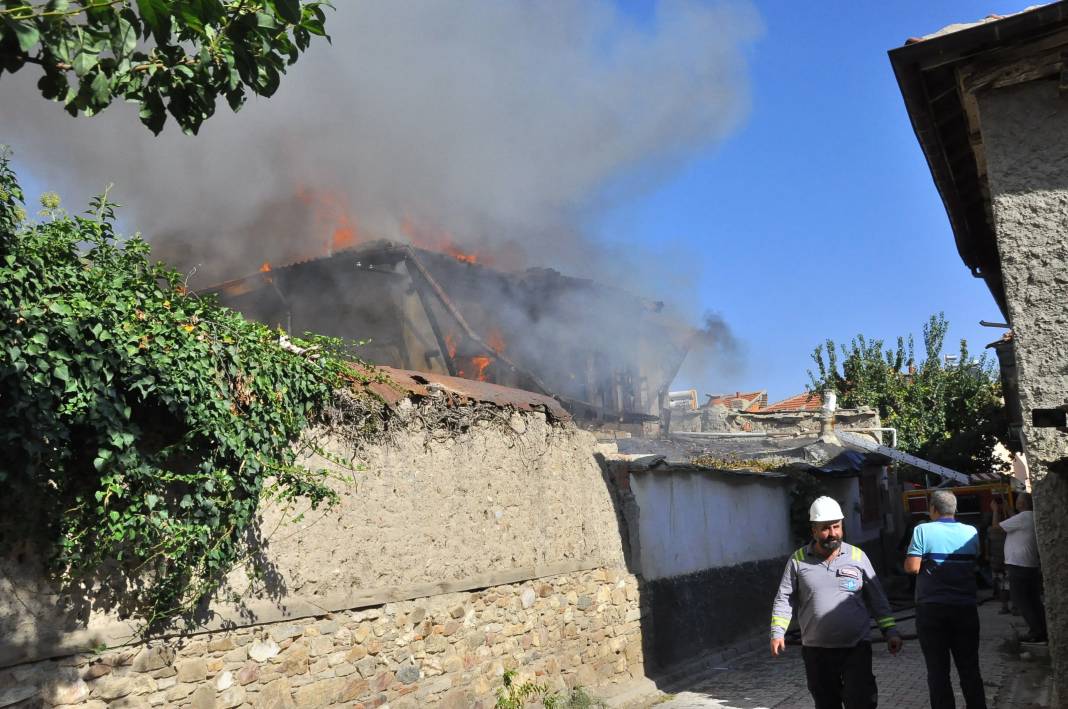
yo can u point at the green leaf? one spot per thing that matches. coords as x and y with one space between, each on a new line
101 89
54 86
155 13
25 32
152 112
192 14
84 62
266 21
288 10
124 40
236 99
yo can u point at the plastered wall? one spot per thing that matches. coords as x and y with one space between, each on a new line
1025 133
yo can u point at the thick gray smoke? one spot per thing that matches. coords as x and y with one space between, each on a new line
499 124
716 356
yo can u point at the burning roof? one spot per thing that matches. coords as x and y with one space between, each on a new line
606 353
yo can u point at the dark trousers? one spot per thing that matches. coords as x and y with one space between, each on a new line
946 630
841 674
1025 589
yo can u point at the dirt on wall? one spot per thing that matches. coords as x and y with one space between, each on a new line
489 489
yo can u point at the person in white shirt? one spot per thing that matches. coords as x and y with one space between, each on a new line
1021 564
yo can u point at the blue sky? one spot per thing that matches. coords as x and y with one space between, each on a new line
818 217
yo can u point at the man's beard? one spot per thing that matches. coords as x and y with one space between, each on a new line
831 543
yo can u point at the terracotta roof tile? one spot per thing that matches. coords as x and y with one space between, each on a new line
809 401
725 399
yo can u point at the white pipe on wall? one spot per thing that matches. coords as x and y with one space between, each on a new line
882 429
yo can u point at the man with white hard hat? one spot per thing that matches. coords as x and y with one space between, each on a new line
836 593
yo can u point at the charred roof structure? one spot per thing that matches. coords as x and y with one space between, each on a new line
606 354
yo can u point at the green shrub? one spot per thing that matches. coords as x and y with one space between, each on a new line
518 696
140 424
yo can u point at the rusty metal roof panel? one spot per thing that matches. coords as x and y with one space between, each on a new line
397 384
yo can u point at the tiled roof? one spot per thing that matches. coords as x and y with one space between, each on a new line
759 397
1005 339
809 401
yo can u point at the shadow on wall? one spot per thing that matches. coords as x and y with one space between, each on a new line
686 617
39 619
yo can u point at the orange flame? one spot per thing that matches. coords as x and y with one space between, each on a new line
266 267
331 214
496 341
478 364
460 255
436 240
481 364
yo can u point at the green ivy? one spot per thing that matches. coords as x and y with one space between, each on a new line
140 424
168 56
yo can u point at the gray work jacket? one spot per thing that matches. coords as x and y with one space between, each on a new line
835 600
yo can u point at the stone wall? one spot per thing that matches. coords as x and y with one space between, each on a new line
580 629
720 419
429 506
1025 133
426 511
801 422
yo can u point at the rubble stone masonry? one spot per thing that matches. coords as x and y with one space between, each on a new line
578 629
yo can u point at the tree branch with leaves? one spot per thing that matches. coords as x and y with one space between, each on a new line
951 414
172 57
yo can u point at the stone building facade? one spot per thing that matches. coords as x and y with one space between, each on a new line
987 102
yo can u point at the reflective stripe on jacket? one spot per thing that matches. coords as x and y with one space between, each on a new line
835 601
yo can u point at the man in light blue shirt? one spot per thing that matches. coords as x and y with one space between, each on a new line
943 553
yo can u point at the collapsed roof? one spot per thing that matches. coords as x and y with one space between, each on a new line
604 353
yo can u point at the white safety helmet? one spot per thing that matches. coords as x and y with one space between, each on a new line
824 509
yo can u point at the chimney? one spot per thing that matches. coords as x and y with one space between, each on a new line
830 405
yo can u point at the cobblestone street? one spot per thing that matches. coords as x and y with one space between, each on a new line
759 681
